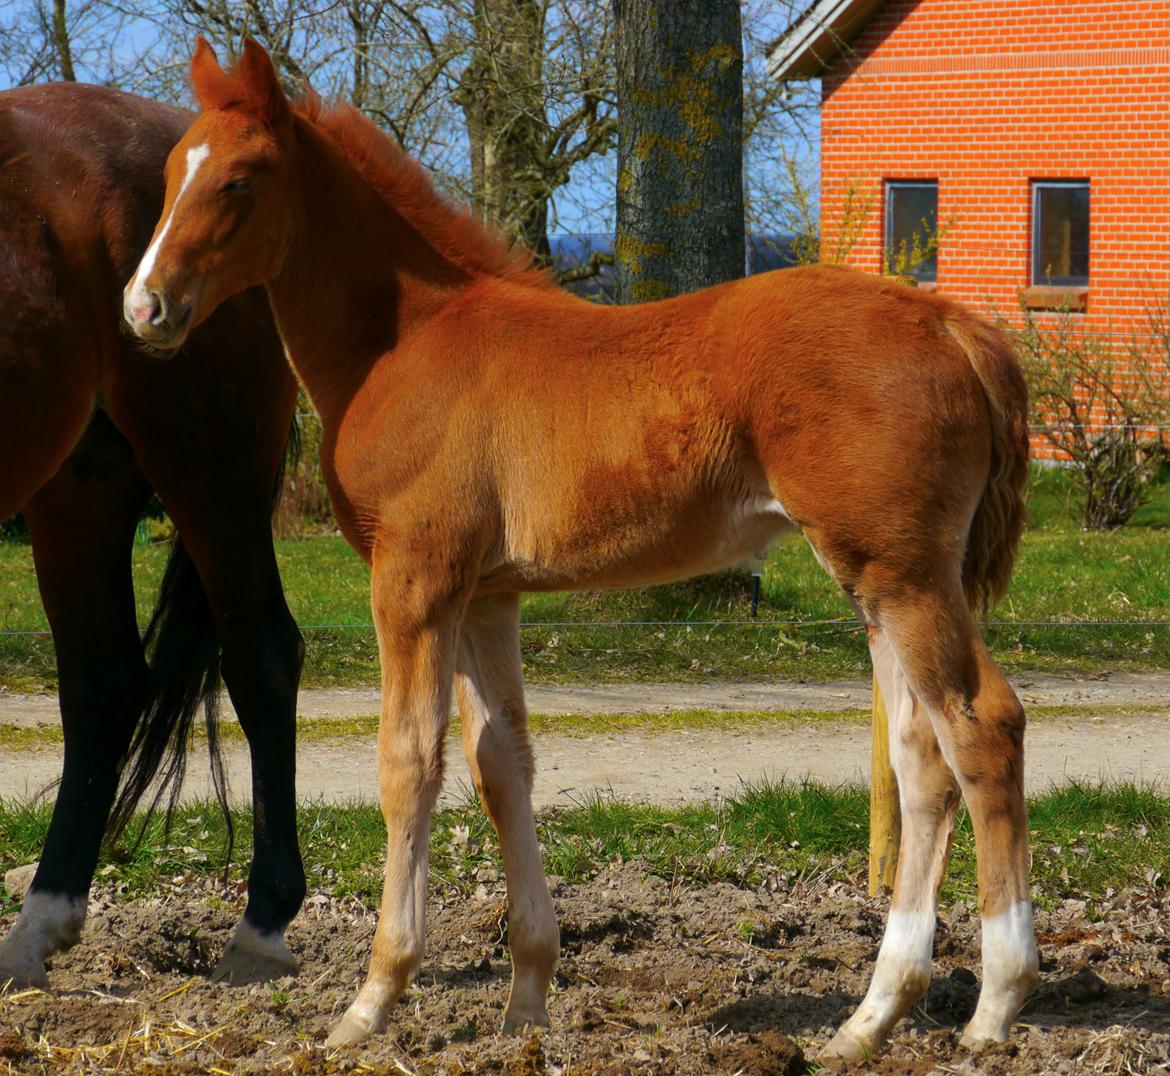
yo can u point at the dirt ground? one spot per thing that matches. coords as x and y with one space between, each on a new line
655 978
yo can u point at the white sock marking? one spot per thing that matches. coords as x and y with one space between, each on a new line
48 923
902 972
1009 944
249 940
1010 967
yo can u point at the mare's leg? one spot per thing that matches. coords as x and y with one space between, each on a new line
209 425
489 687
929 798
82 525
979 724
262 652
417 614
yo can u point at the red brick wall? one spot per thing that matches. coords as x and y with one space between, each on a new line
988 96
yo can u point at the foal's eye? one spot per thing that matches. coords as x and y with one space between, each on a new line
234 186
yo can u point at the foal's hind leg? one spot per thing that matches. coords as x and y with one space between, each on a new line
979 723
929 798
82 526
490 689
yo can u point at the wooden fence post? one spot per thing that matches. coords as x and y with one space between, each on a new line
885 826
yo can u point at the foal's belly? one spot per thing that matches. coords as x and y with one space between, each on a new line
657 544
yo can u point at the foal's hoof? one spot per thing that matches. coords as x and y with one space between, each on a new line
252 957
844 1047
976 1040
351 1030
520 1021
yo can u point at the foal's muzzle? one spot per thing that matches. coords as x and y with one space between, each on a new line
154 318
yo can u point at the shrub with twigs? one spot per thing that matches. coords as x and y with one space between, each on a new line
1103 402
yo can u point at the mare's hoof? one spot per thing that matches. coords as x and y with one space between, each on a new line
520 1021
22 977
251 957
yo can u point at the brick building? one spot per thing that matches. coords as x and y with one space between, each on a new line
1034 135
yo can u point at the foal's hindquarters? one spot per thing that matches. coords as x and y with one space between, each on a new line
904 477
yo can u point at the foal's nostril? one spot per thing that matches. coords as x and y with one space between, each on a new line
158 313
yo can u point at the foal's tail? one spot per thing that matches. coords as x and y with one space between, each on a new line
999 518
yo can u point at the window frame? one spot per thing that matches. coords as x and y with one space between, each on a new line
1036 275
890 186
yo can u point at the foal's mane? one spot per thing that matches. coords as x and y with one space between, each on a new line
401 181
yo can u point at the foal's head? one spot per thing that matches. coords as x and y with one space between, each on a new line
230 201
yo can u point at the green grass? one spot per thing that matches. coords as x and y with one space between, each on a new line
1062 574
1085 840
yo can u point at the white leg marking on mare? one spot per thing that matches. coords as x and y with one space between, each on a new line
196 155
1010 967
252 956
48 923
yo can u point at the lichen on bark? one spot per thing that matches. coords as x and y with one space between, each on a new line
680 146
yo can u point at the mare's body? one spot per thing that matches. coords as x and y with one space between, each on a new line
90 424
487 434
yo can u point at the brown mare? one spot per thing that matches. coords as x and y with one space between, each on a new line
487 434
90 423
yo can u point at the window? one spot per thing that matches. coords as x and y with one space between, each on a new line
912 228
1060 233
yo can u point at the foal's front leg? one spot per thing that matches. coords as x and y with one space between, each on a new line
416 642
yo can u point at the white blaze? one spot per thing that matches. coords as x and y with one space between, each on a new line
136 293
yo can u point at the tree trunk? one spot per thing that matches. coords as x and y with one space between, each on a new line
61 43
680 222
501 97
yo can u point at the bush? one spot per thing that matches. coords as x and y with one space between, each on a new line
1104 403
304 502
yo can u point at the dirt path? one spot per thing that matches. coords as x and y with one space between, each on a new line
1097 740
1119 689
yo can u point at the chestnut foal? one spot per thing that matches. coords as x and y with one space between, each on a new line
487 434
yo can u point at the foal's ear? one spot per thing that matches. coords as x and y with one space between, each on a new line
265 95
213 87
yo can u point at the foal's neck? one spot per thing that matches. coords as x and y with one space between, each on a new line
357 278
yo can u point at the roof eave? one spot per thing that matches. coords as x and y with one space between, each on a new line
818 37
